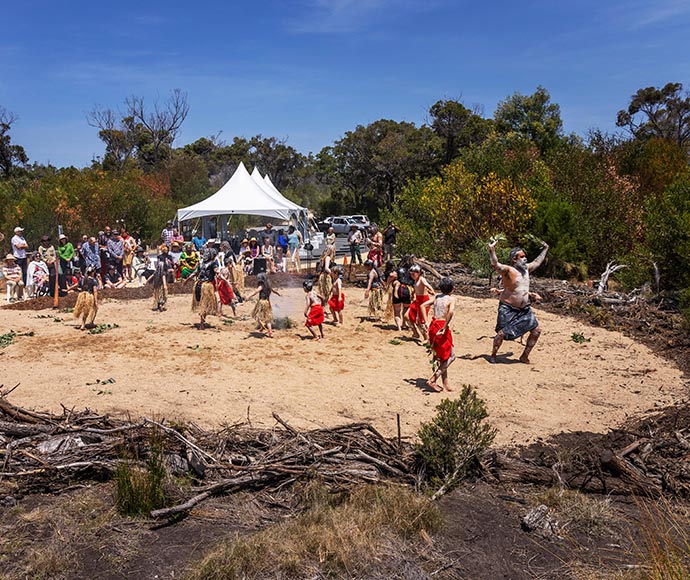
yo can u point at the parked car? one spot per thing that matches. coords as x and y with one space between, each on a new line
362 220
340 224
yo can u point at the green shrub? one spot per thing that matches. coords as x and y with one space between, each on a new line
139 489
451 443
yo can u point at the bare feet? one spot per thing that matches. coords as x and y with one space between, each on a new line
447 387
433 386
525 359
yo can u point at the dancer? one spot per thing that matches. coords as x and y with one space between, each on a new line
313 310
263 311
160 285
237 278
375 244
86 307
400 299
374 292
226 294
416 315
325 282
336 302
515 316
204 301
440 335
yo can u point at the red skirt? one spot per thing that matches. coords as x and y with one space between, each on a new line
376 256
225 292
315 316
441 343
414 311
337 305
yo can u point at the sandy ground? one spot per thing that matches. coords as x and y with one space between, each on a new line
159 364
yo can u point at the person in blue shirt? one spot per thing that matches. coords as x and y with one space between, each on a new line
198 240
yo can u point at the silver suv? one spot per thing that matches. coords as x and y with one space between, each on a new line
340 224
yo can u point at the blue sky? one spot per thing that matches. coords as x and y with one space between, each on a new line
310 70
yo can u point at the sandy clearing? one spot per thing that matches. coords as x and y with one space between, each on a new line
163 366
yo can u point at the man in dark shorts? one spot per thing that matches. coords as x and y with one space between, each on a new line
515 316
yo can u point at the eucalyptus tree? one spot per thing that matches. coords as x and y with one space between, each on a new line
12 157
140 133
663 113
533 117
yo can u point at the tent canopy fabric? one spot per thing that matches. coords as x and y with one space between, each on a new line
241 195
273 191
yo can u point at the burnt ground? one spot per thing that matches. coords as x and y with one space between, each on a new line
482 537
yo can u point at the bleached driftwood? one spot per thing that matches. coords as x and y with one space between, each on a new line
611 267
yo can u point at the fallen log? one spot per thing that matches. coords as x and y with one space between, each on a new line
220 487
511 470
636 481
23 430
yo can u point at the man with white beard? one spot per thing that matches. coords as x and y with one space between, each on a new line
515 316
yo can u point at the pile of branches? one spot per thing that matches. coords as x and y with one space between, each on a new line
647 457
43 452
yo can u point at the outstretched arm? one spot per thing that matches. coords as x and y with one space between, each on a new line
540 258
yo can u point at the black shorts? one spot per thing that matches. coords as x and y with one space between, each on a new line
405 296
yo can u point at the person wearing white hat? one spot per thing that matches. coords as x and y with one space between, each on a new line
19 247
13 279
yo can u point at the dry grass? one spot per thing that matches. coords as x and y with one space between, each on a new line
44 542
664 552
661 548
576 511
339 538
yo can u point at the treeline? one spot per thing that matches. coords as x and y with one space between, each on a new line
449 184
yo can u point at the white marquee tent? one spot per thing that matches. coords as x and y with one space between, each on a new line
245 194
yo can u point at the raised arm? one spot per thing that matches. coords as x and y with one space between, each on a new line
495 264
540 258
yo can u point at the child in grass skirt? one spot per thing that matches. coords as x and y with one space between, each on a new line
325 282
374 292
160 285
263 311
204 301
86 307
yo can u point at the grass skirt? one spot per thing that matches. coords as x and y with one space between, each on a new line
85 308
389 311
263 312
325 285
375 302
207 303
237 276
160 295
